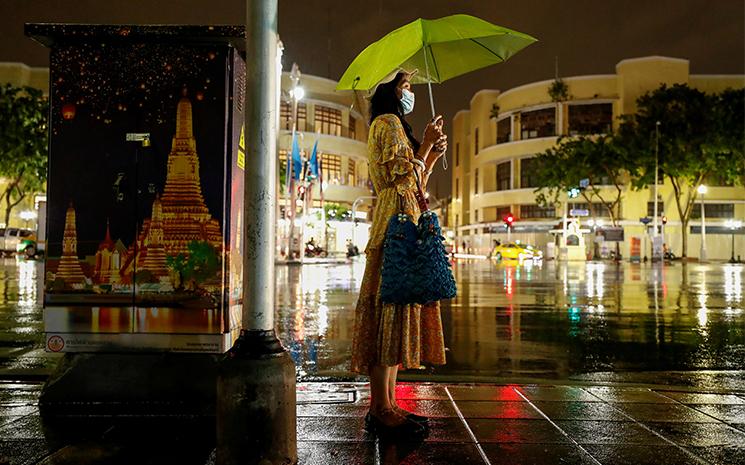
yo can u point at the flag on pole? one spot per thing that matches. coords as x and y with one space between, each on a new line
297 162
313 163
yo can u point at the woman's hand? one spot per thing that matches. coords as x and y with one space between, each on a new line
433 131
440 146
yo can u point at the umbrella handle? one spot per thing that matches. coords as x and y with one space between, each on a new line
431 100
429 81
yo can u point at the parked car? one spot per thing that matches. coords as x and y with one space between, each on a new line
13 240
516 251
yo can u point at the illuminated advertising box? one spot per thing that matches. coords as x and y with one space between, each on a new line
145 187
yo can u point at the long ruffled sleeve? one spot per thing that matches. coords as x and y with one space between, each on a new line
394 152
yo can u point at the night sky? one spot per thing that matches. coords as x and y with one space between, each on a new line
323 37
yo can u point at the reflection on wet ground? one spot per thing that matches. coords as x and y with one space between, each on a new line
586 321
548 320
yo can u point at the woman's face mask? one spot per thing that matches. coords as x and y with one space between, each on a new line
407 101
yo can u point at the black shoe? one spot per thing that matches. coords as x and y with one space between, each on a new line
407 429
422 420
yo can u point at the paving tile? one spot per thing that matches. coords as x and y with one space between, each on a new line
703 398
429 408
608 432
580 411
521 431
421 392
726 413
485 409
23 451
331 410
386 452
557 393
627 454
447 430
610 394
495 393
19 410
699 434
28 427
740 426
664 412
721 455
331 429
535 454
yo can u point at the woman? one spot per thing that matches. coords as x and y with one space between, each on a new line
389 336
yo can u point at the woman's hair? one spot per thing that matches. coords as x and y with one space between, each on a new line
385 101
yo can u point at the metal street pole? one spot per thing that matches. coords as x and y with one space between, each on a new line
702 254
256 377
295 78
355 204
656 247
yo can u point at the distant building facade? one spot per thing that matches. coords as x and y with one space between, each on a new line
495 141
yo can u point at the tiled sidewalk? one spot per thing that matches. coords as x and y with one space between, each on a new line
536 424
471 424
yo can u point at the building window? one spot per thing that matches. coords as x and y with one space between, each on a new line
504 176
352 127
285 116
457 188
504 130
528 176
503 211
476 140
595 118
537 211
476 215
457 154
328 120
660 208
331 165
595 209
538 123
457 219
714 210
476 181
351 173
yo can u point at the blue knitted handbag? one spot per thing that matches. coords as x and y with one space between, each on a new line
416 268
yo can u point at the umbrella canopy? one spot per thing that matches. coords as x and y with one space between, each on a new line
444 48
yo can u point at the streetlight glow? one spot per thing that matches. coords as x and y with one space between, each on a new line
702 189
298 93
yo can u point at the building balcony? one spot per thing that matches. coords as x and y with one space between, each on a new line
337 145
508 150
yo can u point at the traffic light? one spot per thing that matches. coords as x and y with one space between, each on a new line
508 219
664 220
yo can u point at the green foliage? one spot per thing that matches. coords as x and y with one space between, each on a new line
494 112
597 159
334 211
558 90
202 264
23 143
700 136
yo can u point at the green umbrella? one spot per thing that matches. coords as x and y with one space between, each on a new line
444 48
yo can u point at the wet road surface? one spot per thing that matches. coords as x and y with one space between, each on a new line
582 321
554 321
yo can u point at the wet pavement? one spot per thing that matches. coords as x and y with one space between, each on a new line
547 363
593 321
470 424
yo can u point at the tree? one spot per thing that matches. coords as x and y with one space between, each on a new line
596 159
23 143
700 136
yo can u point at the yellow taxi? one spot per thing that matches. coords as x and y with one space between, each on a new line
516 251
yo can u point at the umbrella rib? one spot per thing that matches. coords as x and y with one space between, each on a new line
486 48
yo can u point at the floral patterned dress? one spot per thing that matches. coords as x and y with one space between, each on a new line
387 334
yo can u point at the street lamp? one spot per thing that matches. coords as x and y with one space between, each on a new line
733 225
702 189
